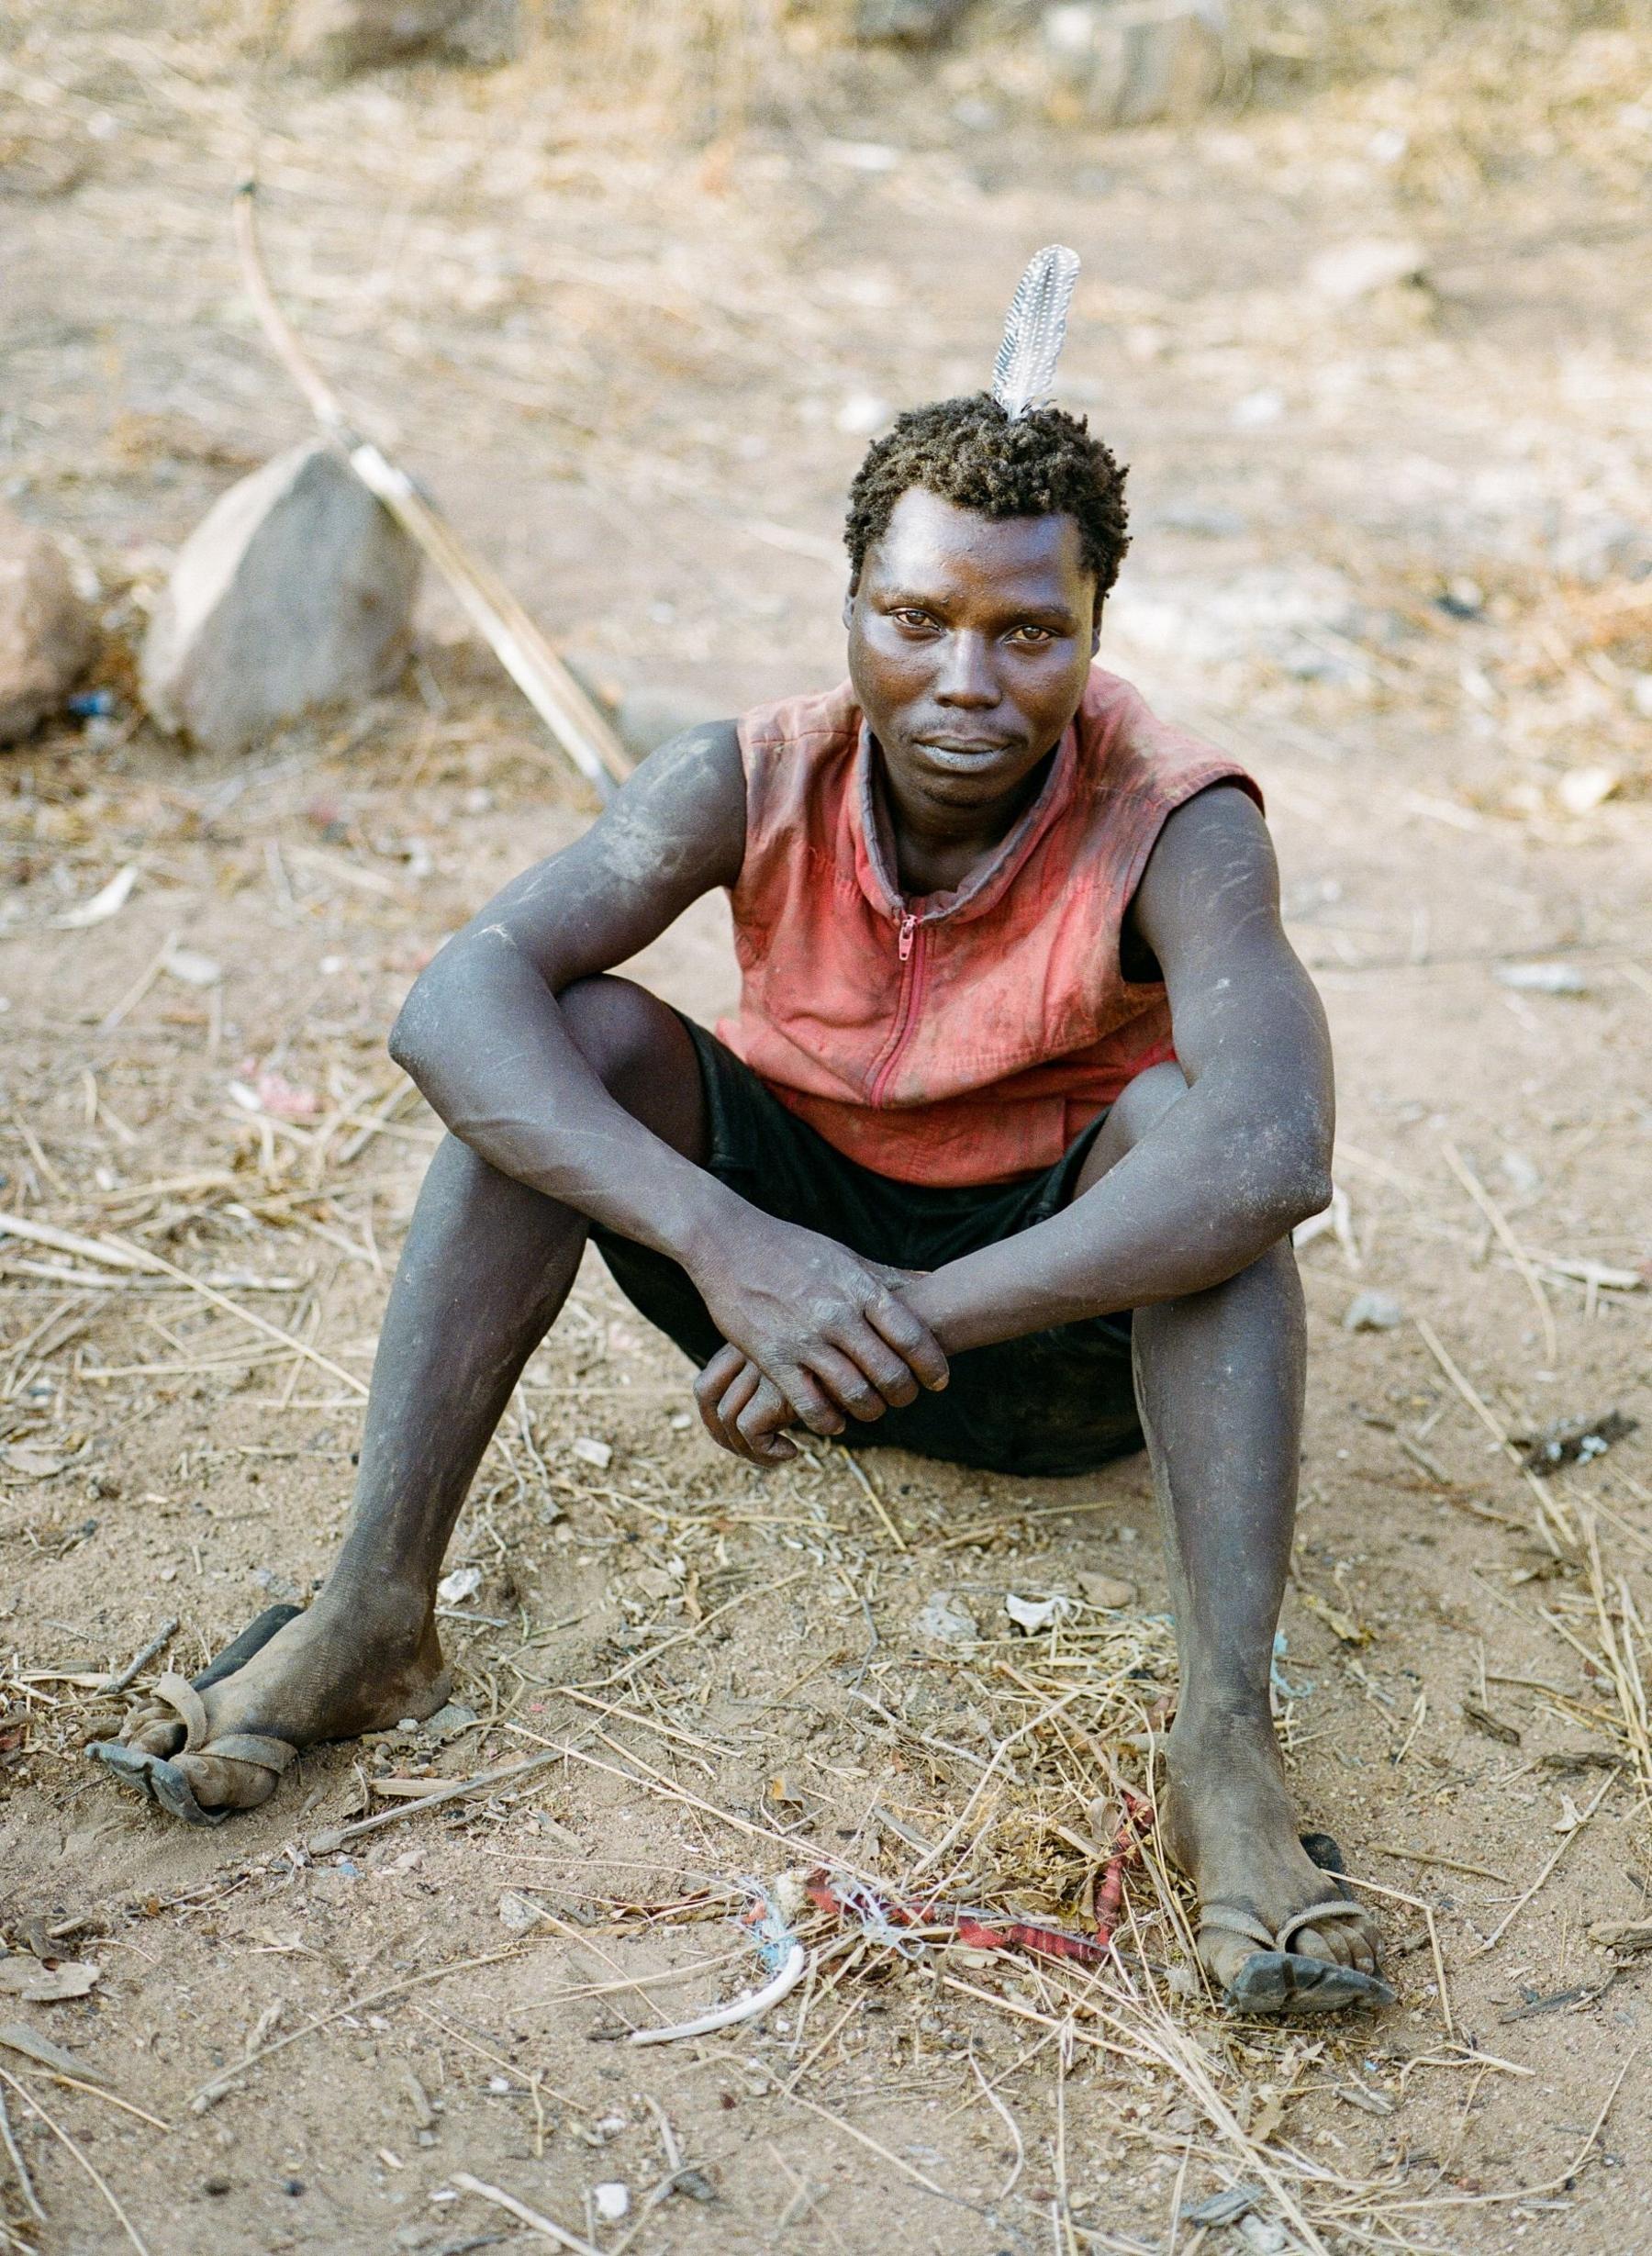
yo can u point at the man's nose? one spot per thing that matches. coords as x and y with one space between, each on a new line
967 678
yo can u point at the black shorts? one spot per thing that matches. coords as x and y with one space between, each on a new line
1050 1402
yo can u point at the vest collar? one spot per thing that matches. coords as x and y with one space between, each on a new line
988 882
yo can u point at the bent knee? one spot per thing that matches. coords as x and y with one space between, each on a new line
1144 1101
616 1024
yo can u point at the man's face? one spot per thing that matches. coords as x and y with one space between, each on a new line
970 638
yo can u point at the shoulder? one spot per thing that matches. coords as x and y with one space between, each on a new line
684 804
786 747
829 716
1211 877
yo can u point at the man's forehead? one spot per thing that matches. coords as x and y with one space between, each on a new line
930 539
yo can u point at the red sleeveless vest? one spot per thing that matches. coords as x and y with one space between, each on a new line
962 1037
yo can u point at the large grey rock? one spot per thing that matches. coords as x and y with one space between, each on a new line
908 23
1125 62
337 37
47 633
296 590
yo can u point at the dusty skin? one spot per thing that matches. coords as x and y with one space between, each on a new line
572 1098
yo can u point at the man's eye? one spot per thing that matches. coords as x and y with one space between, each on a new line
1036 636
914 618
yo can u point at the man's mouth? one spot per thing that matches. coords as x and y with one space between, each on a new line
967 747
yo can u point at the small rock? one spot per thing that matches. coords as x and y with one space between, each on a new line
279 1586
908 23
1223 2208
48 634
1373 1312
1034 1614
946 1620
1371 264
337 37
590 1452
1257 409
1602 546
448 1721
861 414
294 591
1122 62
25 1977
1581 789
1542 978
1107 1591
518 1913
191 967
462 1583
611 2201
1261 2235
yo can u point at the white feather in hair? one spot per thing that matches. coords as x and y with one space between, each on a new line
1035 331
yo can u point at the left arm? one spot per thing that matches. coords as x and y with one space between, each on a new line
1228 1171
1234 1163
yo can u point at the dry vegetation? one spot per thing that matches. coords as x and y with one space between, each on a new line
628 304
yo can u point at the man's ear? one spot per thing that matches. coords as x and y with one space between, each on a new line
849 595
1096 630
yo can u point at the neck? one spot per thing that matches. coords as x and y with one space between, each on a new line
934 848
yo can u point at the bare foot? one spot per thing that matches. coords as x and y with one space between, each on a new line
333 1673
1227 1820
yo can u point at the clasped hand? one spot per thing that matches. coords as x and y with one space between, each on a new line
815 1335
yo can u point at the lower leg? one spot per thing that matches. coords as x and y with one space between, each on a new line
1220 1382
486 1267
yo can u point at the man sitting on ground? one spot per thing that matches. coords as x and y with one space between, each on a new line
998 1162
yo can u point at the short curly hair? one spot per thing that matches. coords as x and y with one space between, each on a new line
969 451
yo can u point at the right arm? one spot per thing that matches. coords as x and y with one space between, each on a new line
481 1032
484 1038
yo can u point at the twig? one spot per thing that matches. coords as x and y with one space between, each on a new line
906 2168
750 2005
140 986
139 1661
142 1257
1499 1433
523 2214
464 1790
1417 1904
69 1242
216 2086
1494 1214
554 693
96 2091
1451 1864
58 2132
1567 1839
27 2183
1531 2192
999 1752
873 1497
1011 2125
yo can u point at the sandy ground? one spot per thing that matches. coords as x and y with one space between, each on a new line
1387 550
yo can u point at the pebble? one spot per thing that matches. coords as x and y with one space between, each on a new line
1373 1312
946 1620
611 2201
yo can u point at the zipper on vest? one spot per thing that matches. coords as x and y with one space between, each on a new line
910 947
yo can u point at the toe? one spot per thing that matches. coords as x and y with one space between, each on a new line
219 1783
1315 1943
152 1732
1222 1956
